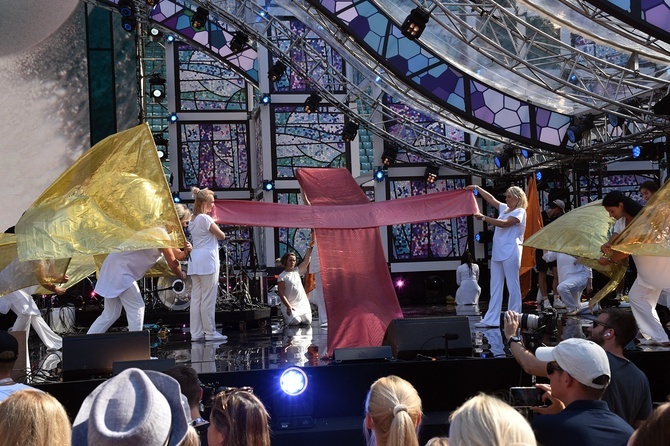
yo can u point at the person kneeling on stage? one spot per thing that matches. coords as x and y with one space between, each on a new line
296 309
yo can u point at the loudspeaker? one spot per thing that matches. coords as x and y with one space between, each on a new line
362 354
430 336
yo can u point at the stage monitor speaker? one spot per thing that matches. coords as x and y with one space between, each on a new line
158 365
362 354
93 356
430 336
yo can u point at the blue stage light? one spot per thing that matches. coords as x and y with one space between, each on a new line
293 381
268 185
173 117
266 99
169 38
538 175
637 151
380 174
175 197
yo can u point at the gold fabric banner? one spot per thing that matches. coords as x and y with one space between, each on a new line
114 198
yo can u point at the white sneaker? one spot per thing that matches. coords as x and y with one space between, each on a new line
558 304
216 336
546 303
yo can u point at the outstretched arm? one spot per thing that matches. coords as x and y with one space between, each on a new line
485 195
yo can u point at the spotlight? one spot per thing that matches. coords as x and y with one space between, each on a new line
636 151
293 381
501 160
651 151
169 38
155 34
526 153
415 23
175 197
268 185
483 237
615 120
431 174
129 23
277 71
389 156
161 153
576 131
238 42
266 99
157 87
199 19
380 174
312 103
126 8
153 3
173 117
400 283
349 131
538 175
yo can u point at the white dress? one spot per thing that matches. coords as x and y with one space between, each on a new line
296 296
468 287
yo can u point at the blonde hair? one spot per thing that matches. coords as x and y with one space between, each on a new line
438 441
394 406
182 212
484 420
520 195
192 438
31 417
201 197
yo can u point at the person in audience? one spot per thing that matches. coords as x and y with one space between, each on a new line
573 279
295 309
33 418
392 413
467 278
651 271
484 420
9 354
628 394
135 407
203 267
238 418
579 373
648 189
189 383
438 441
21 302
656 431
506 250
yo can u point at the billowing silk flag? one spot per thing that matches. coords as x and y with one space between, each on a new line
580 233
114 198
533 224
358 291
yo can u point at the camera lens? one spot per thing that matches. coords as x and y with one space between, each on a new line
529 321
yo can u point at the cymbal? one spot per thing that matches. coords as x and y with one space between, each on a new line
239 240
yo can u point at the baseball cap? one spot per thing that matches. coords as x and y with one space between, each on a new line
8 343
584 360
558 203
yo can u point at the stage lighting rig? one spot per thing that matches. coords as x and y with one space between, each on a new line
276 71
502 159
389 156
312 103
431 174
349 131
238 42
415 23
200 17
268 185
157 87
576 131
380 174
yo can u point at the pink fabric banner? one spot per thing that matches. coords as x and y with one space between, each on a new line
357 286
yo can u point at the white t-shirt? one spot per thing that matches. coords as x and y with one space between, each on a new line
619 225
566 266
463 272
204 258
506 240
5 391
121 270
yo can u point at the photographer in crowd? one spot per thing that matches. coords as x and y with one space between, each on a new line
628 394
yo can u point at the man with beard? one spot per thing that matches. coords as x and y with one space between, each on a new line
628 394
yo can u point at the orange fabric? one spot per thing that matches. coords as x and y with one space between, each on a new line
533 224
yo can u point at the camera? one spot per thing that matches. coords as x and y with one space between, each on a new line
534 322
526 396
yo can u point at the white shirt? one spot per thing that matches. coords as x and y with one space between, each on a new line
204 258
566 266
121 270
506 240
463 272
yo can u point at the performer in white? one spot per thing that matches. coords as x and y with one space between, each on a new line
28 314
573 279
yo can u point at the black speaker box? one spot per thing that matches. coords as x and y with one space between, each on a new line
429 336
362 354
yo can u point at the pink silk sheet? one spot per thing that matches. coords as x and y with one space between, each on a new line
357 286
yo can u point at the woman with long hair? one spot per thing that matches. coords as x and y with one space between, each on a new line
467 278
34 418
392 413
510 226
238 418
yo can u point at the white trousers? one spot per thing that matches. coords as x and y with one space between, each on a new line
27 315
501 272
571 290
202 312
643 299
131 300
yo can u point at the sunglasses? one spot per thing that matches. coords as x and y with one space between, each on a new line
551 368
596 322
224 393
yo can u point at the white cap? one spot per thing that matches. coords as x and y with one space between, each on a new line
560 204
584 360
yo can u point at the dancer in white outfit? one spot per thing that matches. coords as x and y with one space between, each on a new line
573 279
506 250
203 267
467 278
296 309
27 313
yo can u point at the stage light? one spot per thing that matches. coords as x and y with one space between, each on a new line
400 283
636 151
483 237
128 23
266 99
650 151
431 173
380 174
126 8
276 71
662 107
199 19
238 42
415 23
268 185
349 131
501 160
389 156
576 132
312 103
159 140
616 120
157 87
293 381
538 175
173 117
527 153
169 38
155 34
175 197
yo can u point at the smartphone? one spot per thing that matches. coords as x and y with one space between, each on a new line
526 396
